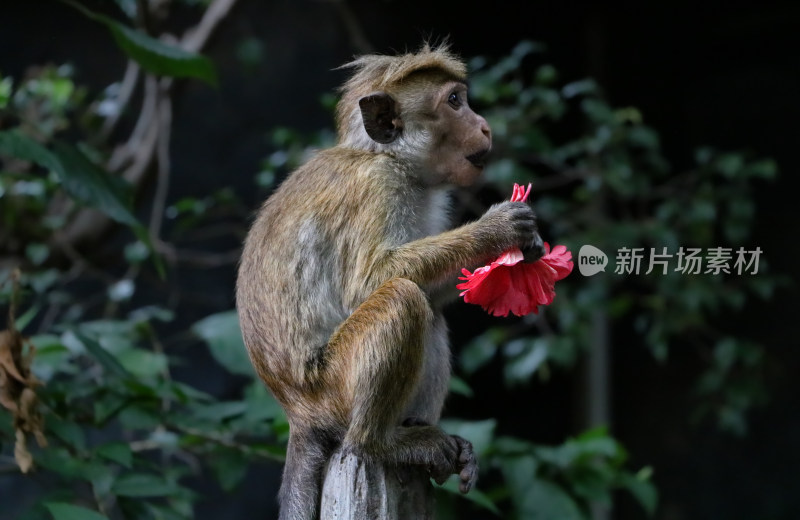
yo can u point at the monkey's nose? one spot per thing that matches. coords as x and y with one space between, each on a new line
485 127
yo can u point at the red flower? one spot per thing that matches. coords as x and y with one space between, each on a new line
510 285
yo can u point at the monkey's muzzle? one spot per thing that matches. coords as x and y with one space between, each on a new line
478 159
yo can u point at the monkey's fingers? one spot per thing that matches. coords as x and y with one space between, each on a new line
535 250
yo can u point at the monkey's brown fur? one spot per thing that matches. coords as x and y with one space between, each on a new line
343 261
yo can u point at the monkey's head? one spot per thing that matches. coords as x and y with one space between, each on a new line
414 107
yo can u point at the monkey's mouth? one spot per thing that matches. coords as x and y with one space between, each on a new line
478 159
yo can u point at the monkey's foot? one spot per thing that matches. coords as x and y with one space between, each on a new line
461 460
467 464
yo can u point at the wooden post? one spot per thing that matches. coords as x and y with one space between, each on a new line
355 490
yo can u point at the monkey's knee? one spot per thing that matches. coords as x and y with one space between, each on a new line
407 300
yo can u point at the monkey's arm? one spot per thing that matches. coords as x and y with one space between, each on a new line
432 260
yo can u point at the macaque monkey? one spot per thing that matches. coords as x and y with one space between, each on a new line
344 260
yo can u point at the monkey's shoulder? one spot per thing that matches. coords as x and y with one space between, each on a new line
340 180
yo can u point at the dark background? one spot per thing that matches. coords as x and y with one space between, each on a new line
701 73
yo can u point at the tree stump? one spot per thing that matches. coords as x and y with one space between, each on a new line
354 489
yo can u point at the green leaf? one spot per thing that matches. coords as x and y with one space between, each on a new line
475 496
143 363
598 111
511 446
261 405
534 497
64 511
593 482
545 500
69 432
224 338
27 317
459 386
221 411
6 85
154 55
142 485
480 350
230 467
581 87
128 7
136 252
143 417
641 488
518 473
60 461
525 358
51 356
479 433
108 361
118 452
90 184
37 253
81 179
107 407
16 144
764 169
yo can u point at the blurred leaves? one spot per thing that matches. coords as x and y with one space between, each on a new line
62 511
102 372
553 482
612 188
154 55
79 177
113 408
221 333
123 435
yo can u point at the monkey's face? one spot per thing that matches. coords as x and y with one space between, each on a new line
460 138
429 121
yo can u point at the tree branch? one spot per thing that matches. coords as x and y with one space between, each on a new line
355 488
163 161
196 38
126 90
150 136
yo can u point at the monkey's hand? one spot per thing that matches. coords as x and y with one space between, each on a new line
459 459
513 224
535 250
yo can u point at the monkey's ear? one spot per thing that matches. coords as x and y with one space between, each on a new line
380 117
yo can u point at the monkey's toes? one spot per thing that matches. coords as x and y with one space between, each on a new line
467 465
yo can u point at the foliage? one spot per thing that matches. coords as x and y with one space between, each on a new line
124 435
121 434
615 189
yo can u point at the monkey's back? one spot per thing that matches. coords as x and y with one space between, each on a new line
303 259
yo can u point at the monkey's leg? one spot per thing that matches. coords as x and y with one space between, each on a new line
377 353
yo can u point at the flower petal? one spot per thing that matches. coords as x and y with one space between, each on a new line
510 285
510 257
520 194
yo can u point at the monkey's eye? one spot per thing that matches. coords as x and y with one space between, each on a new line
454 101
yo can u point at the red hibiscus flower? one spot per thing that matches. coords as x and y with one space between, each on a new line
510 285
